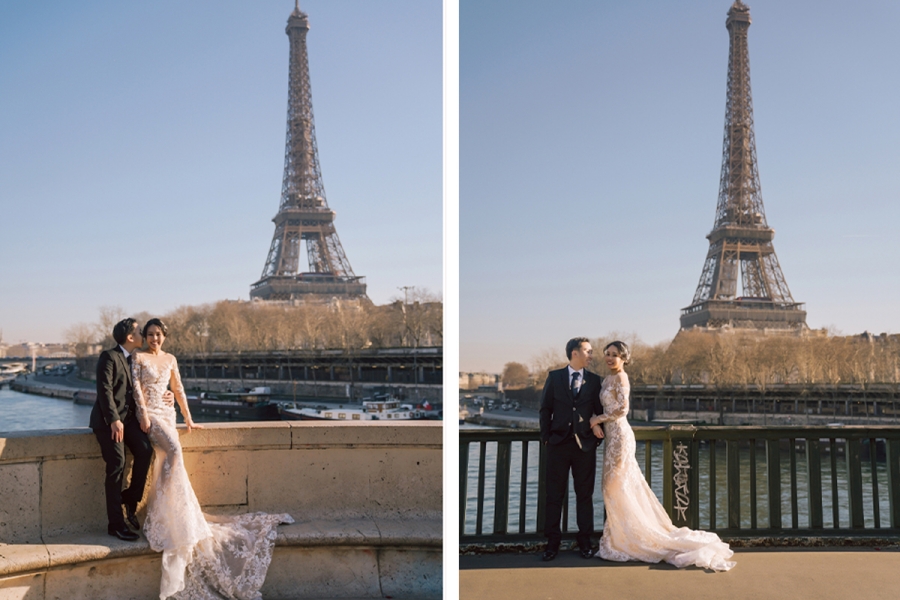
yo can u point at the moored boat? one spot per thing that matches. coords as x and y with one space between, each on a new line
10 371
252 405
380 408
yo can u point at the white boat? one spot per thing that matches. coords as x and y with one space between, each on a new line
13 369
385 408
10 371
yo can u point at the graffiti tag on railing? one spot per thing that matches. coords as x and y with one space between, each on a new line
682 494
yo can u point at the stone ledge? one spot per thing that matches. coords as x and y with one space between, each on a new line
74 549
31 446
363 532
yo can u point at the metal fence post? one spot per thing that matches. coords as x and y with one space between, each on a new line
892 453
854 475
733 483
773 477
463 484
501 487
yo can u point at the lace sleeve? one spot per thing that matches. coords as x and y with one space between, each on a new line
137 369
618 409
178 390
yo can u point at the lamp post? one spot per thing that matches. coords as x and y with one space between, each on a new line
406 289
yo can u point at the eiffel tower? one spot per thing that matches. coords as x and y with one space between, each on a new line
741 236
303 214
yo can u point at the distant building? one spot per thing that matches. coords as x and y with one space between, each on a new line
29 349
471 381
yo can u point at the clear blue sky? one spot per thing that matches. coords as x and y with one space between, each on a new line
142 149
590 152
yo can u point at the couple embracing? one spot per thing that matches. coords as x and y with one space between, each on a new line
203 556
579 410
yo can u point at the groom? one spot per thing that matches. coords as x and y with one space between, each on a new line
571 396
115 424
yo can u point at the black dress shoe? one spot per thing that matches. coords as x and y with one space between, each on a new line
123 533
586 552
550 554
131 517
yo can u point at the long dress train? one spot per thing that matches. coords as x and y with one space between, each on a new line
204 557
637 527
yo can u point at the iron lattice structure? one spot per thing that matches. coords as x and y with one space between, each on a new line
303 214
741 237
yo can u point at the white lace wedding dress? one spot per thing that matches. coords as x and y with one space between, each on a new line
637 527
204 557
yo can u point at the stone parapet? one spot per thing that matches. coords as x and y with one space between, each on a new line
366 497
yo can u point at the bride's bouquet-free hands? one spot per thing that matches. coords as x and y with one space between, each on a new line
595 426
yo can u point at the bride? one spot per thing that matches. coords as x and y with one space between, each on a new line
637 527
204 556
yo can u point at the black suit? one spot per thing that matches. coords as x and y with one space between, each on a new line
115 402
566 430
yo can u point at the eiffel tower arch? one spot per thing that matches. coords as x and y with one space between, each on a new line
740 244
304 218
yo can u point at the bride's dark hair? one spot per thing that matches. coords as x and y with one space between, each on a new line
158 323
622 347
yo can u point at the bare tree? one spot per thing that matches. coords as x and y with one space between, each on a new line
543 363
422 317
109 316
515 375
81 337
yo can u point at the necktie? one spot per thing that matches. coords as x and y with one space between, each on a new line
576 384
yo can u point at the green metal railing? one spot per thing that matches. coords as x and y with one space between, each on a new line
778 481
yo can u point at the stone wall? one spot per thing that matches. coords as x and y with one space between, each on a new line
366 497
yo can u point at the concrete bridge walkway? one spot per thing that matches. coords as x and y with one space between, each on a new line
820 573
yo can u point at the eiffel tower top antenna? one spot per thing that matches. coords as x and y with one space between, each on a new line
741 240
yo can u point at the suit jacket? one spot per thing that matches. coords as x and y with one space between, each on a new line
115 390
560 410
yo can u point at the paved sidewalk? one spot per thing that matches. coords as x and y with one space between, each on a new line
825 573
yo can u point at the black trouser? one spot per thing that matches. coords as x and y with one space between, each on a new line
560 458
114 456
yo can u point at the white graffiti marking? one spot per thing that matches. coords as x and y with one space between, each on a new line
682 494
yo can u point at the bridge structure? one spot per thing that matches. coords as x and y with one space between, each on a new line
418 372
751 485
366 499
811 512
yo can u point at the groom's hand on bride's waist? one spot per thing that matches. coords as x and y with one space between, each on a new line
169 398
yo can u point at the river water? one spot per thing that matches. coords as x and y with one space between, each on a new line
28 412
531 479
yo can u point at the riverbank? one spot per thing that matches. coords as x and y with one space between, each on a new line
63 391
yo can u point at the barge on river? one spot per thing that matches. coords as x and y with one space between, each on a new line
380 408
252 405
